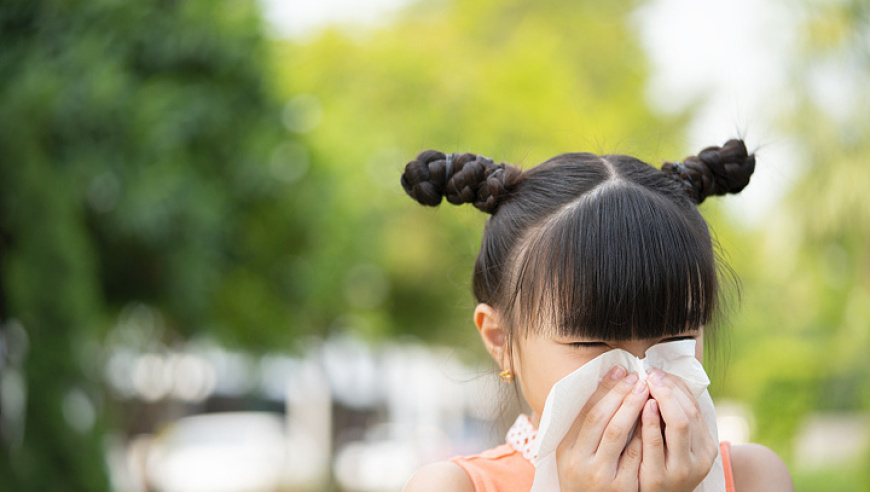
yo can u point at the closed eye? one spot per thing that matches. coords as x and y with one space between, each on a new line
588 344
675 339
604 344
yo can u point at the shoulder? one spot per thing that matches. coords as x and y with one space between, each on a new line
757 468
439 477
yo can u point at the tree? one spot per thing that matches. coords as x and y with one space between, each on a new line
135 141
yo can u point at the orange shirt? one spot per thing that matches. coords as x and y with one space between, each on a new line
504 469
500 469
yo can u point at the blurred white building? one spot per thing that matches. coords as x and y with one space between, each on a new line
343 412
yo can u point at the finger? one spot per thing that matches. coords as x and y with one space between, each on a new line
607 383
653 439
699 435
677 423
610 380
621 424
629 462
598 417
703 449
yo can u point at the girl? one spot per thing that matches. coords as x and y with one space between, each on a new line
583 254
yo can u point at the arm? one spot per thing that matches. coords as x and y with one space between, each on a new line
758 469
439 477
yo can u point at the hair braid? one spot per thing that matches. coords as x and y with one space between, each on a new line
714 171
472 179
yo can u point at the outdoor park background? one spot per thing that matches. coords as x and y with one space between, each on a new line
200 213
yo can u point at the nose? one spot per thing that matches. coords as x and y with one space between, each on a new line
637 348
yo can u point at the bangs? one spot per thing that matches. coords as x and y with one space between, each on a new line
621 262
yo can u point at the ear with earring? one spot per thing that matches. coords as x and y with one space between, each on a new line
494 338
506 376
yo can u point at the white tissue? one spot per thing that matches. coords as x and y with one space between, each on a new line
569 395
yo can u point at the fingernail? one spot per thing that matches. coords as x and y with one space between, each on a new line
617 372
656 377
654 407
639 388
631 378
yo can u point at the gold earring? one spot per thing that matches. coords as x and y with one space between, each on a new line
507 376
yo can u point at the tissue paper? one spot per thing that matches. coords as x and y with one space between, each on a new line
569 395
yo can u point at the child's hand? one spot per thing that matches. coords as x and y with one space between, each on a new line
678 459
593 455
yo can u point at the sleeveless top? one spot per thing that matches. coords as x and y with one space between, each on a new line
509 468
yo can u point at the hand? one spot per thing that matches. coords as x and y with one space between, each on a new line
594 456
678 459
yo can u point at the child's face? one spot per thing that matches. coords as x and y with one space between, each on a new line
541 360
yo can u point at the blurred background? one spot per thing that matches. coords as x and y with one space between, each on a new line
212 280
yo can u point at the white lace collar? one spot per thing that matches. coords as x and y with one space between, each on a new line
521 436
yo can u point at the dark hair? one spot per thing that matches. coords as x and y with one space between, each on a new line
605 247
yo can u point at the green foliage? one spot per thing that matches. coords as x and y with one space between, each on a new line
850 478
801 338
135 139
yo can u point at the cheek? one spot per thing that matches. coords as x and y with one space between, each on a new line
537 376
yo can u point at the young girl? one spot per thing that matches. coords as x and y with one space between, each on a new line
583 254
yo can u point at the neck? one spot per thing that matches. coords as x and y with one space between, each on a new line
535 419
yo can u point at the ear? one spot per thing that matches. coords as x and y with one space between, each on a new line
493 335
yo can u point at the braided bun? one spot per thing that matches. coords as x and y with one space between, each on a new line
714 171
472 179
